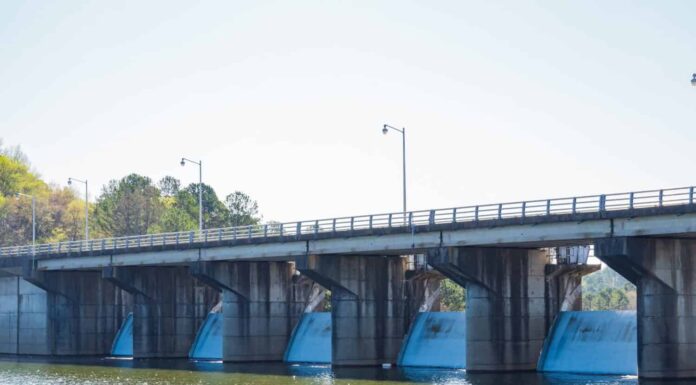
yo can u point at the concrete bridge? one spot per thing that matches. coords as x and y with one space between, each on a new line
69 298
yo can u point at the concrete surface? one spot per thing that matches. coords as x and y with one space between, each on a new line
592 342
367 305
664 272
436 340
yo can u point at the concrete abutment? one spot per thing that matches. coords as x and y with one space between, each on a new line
60 313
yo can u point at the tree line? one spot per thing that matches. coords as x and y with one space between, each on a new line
132 205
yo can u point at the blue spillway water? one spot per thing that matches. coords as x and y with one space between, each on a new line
436 339
208 342
123 343
311 340
597 342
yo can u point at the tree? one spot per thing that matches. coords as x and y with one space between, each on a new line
130 206
15 212
606 299
242 209
452 297
607 290
15 177
169 186
215 213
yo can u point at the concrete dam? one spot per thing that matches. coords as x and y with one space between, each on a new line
522 298
587 342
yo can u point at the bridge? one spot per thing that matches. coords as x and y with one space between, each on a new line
264 274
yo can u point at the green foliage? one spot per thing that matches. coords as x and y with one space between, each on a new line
327 301
59 213
606 299
242 209
169 186
452 296
132 205
214 212
175 219
607 290
15 177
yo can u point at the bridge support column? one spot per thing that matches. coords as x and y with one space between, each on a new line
169 307
664 272
367 305
260 307
505 289
58 313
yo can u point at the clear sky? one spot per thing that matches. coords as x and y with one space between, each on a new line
502 101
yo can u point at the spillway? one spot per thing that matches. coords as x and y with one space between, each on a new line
311 340
436 339
123 343
596 342
208 342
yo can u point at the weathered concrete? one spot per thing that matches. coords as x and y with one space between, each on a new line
664 272
59 313
169 307
311 340
422 290
261 304
23 318
563 289
367 305
506 319
592 342
436 339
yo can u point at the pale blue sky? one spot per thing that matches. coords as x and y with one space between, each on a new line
285 100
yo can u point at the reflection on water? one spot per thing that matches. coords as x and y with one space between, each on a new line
175 372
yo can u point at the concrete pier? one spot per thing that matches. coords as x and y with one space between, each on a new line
367 305
169 307
505 290
59 313
261 304
664 272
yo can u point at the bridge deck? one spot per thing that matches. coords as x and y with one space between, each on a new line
537 223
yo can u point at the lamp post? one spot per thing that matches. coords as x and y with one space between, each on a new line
693 80
200 189
402 131
70 180
33 220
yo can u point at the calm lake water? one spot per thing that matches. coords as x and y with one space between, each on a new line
160 372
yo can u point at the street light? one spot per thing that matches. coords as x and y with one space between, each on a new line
33 220
70 180
385 130
693 80
200 189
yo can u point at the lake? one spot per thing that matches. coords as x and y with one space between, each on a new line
23 371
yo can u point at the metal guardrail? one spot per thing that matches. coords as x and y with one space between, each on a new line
534 208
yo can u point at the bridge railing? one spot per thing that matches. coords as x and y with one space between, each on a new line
345 225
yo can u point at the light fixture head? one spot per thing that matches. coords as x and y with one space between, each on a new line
69 181
693 80
385 129
183 162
